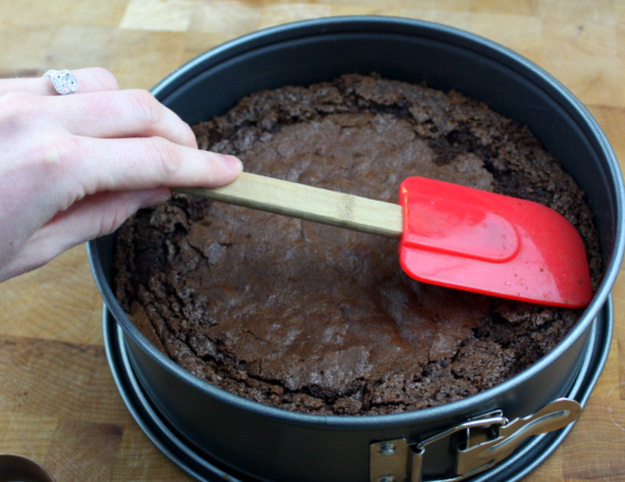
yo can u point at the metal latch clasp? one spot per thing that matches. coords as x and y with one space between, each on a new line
476 445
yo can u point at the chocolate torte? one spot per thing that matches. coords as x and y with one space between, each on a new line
319 319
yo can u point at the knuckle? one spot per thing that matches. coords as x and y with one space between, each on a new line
56 157
106 78
62 151
148 108
16 108
166 157
52 163
113 218
190 140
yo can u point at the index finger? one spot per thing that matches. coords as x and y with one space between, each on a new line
123 113
93 79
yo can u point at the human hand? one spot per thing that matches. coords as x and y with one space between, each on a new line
75 167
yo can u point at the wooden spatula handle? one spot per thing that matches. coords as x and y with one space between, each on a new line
309 203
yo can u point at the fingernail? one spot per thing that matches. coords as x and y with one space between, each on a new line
232 162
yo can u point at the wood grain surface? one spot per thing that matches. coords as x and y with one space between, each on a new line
58 401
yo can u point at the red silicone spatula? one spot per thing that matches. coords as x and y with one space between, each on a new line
450 235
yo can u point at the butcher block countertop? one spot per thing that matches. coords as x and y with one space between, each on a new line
58 401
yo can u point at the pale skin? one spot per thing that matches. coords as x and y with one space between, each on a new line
75 167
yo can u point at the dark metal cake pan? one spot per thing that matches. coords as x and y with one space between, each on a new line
251 441
200 466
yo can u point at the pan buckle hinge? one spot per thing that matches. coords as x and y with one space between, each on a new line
475 445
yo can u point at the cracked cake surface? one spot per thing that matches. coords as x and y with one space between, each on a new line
319 319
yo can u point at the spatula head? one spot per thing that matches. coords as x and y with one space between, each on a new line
475 240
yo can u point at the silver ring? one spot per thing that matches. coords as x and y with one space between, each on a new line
63 81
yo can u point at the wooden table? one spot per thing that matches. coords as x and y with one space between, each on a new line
58 402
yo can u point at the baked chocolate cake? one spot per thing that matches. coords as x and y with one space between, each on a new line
319 319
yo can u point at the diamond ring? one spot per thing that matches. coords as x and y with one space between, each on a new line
63 81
